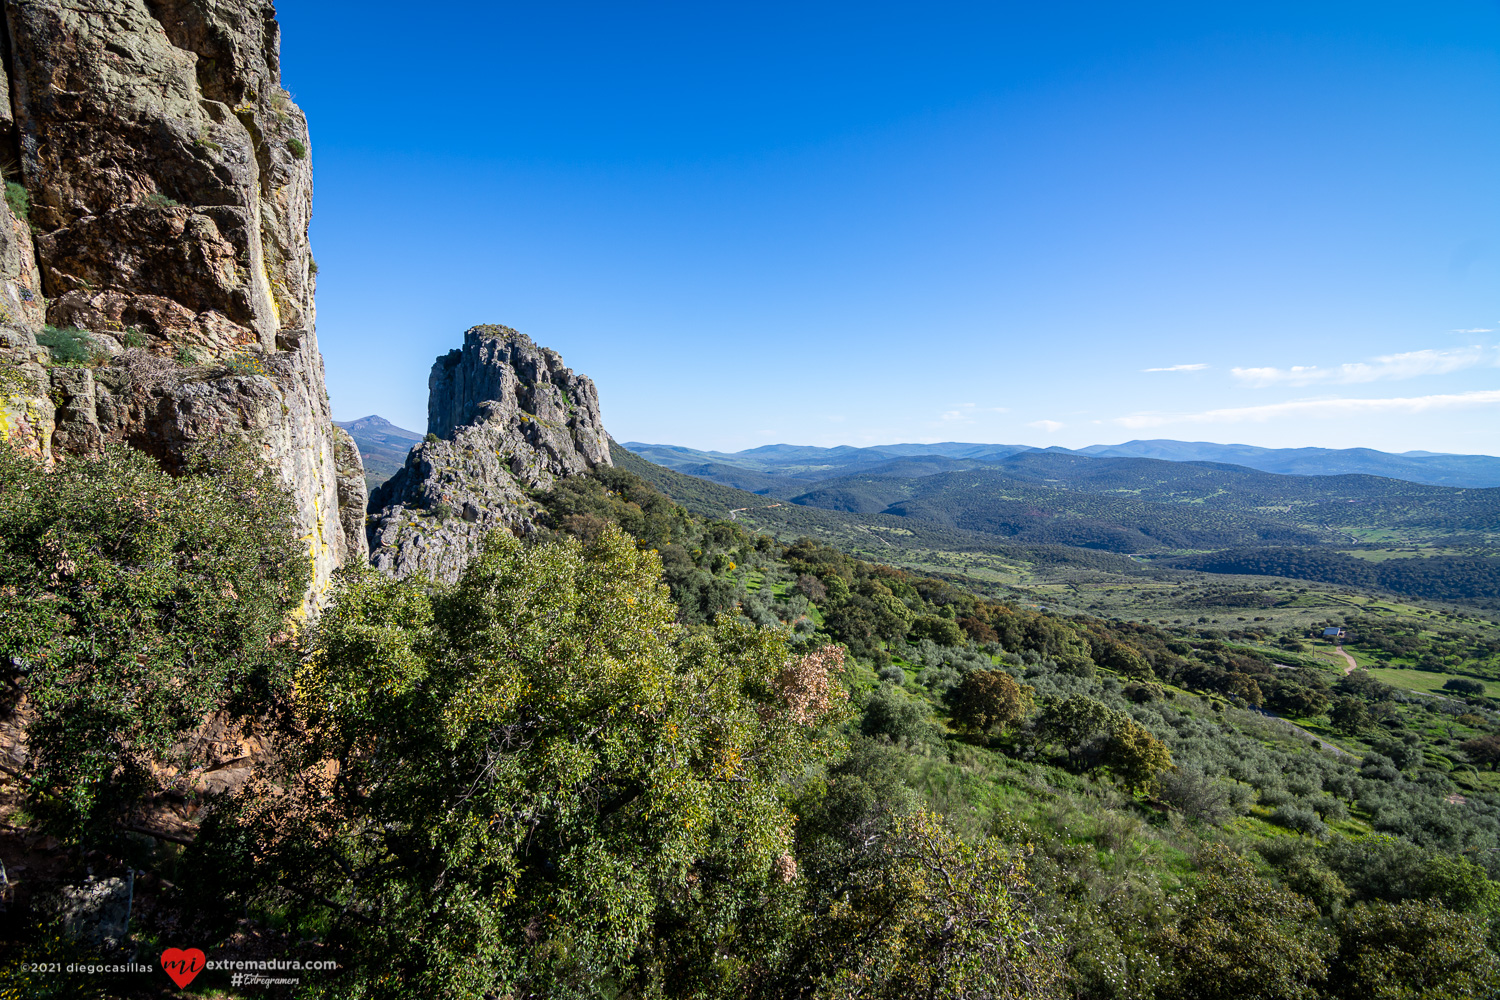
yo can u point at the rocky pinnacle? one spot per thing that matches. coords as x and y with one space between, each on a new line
505 418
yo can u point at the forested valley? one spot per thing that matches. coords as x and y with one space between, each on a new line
648 753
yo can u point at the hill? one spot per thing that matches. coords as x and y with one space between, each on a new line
810 464
382 444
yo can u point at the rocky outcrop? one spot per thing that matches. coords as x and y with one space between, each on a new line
504 417
164 195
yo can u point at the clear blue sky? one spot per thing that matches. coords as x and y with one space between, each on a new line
1047 223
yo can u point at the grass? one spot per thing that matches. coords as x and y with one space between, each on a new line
1422 680
19 200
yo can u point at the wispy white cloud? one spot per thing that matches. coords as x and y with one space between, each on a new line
1177 368
1408 364
965 412
1317 409
1477 329
1050 426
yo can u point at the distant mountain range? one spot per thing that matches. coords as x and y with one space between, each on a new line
767 469
382 445
786 470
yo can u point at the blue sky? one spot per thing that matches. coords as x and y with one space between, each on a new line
1062 223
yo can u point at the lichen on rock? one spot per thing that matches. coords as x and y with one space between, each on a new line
167 219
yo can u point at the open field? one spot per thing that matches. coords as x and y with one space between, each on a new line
1422 680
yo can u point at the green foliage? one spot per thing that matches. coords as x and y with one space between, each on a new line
19 200
186 356
158 200
1242 937
895 715
927 915
537 783
986 701
68 345
1092 735
133 606
297 148
1412 951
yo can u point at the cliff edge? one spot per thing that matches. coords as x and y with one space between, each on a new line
504 416
154 239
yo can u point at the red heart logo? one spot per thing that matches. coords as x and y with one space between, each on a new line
183 966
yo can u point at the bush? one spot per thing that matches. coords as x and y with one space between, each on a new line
1195 795
892 675
1299 817
297 148
68 346
19 200
136 605
539 772
158 200
894 714
1412 951
1464 686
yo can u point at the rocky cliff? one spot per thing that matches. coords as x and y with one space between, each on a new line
504 416
155 234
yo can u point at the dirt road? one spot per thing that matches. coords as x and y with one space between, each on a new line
1349 665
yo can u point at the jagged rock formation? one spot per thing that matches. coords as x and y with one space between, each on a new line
169 191
503 416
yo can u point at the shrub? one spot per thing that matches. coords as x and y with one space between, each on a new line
892 675
158 200
1464 686
1195 795
186 356
892 713
138 604
1412 950
19 200
68 346
1241 936
297 148
1299 817
537 771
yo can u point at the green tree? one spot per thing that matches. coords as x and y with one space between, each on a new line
1123 659
134 607
1241 937
929 915
986 701
1414 950
1134 756
1483 749
1079 726
943 631
1349 715
536 783
892 618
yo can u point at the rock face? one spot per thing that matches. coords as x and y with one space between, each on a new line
169 191
504 416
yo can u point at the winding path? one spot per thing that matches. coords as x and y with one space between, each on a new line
1350 665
